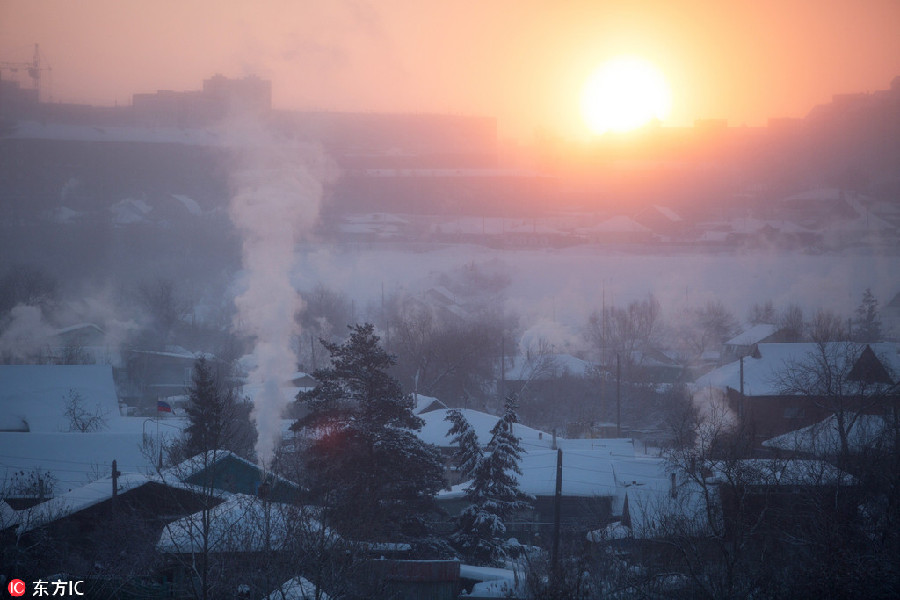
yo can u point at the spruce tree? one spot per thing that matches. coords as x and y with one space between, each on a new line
494 493
375 478
469 455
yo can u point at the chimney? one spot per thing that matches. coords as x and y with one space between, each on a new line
264 491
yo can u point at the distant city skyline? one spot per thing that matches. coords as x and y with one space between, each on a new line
521 62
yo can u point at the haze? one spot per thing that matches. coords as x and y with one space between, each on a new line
521 62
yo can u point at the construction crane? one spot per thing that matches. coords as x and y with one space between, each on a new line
33 69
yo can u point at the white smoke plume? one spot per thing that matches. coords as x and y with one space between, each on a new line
25 335
277 189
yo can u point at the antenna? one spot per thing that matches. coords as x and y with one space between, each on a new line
33 69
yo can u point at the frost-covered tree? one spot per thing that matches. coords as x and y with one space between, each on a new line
375 478
469 454
494 492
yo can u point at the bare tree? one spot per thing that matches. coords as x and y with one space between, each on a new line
705 328
449 355
623 331
762 313
827 326
326 312
833 376
867 323
790 322
82 419
164 305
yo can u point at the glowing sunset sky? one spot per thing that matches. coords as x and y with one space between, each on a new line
522 61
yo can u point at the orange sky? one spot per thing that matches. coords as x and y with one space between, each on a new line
523 61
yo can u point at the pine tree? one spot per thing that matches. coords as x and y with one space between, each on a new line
217 419
374 476
494 493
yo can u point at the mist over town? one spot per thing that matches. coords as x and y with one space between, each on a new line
263 339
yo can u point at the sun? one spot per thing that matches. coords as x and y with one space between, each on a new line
624 93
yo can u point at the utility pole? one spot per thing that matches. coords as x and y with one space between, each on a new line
741 400
618 396
115 483
557 501
502 386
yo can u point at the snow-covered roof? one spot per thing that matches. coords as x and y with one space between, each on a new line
176 352
823 439
815 194
427 403
59 131
239 524
771 472
668 213
78 327
762 373
585 474
207 460
38 393
73 459
77 500
644 481
545 367
298 588
617 224
8 516
754 335
435 429
189 204
494 582
130 210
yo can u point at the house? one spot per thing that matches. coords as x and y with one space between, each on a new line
297 588
782 495
744 344
662 220
426 404
35 398
239 524
654 366
890 318
598 488
823 439
151 375
226 471
82 343
617 230
435 428
62 427
765 389
102 529
597 475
